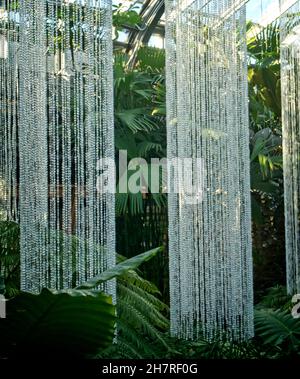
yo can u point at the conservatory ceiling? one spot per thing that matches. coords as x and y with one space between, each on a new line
152 29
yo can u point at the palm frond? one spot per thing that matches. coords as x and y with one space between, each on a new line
151 59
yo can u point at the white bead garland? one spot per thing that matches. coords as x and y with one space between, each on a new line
65 127
9 35
207 110
290 85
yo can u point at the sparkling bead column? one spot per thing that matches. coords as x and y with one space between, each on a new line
33 146
9 36
290 83
207 109
67 225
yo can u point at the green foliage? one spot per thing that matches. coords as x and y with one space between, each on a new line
275 298
265 45
266 161
142 326
266 148
266 171
151 59
218 349
120 269
277 332
125 17
134 91
57 324
266 156
267 207
264 75
279 329
142 320
140 127
10 256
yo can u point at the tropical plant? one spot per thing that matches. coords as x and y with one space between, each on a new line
10 257
139 121
142 317
220 348
267 209
266 156
141 314
264 76
151 59
142 322
275 298
125 17
278 330
266 168
58 324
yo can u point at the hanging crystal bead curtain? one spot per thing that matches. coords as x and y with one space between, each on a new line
9 37
207 105
66 126
290 83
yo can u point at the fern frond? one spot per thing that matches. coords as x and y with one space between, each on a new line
151 299
134 278
127 334
128 350
139 320
141 303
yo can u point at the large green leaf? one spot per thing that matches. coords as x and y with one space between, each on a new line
277 327
120 269
57 324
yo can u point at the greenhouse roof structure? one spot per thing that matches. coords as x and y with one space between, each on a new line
151 29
